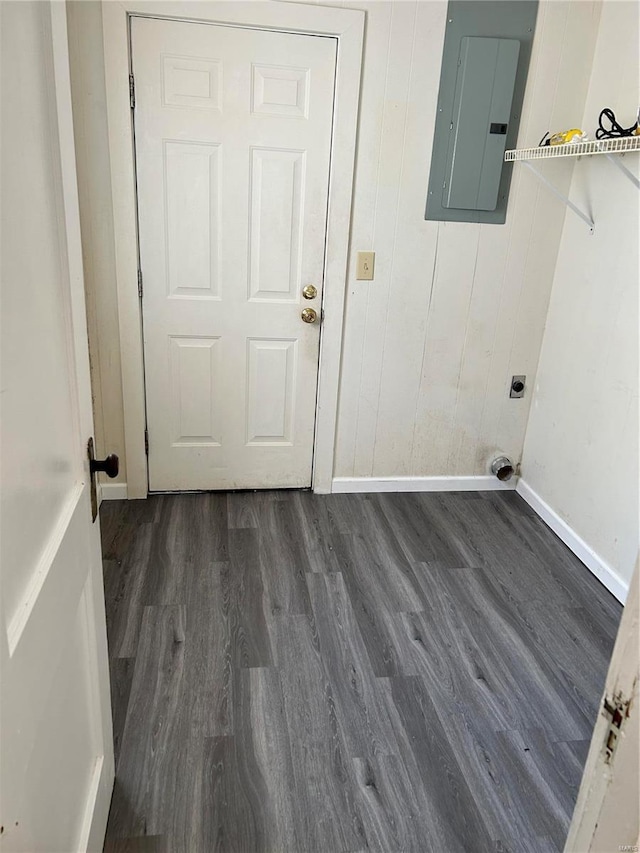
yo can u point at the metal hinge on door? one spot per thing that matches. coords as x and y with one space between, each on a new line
140 283
146 441
617 709
132 91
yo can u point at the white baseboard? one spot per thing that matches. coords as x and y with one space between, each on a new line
596 565
113 491
342 485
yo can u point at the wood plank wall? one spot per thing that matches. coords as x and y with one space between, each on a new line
455 309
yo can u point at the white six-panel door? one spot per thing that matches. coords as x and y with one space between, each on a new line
233 140
56 751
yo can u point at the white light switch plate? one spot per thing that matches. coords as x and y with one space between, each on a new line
366 261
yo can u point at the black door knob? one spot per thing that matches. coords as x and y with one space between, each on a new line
110 465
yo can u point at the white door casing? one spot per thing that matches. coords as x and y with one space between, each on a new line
56 752
347 26
233 139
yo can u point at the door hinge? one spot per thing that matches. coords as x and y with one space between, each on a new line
617 709
132 92
140 283
146 441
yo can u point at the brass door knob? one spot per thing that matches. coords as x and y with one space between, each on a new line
309 292
309 315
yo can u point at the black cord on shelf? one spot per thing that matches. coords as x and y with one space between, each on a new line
615 131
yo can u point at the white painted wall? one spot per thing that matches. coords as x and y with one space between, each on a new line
581 450
455 309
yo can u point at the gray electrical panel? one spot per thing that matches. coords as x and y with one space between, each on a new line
484 68
481 113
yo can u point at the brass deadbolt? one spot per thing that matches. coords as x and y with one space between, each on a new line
309 292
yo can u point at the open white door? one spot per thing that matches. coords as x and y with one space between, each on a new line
56 760
606 814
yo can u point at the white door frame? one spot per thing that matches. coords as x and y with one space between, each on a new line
347 26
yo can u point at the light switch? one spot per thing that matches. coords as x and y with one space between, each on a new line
366 261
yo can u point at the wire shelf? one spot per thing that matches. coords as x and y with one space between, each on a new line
575 149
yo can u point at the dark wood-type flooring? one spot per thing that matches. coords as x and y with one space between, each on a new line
396 672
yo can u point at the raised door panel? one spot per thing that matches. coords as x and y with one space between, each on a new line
280 91
192 205
196 391
271 368
275 239
192 83
65 739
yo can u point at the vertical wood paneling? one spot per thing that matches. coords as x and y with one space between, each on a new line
366 180
414 256
455 308
466 450
572 70
514 246
444 345
390 167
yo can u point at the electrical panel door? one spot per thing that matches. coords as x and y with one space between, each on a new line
481 113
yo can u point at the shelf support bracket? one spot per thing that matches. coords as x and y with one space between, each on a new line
616 159
561 196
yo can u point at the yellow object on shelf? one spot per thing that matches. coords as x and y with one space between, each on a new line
573 135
